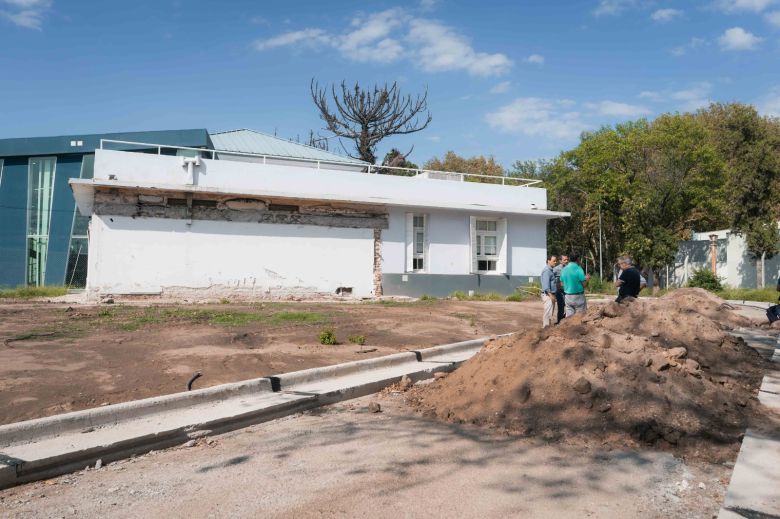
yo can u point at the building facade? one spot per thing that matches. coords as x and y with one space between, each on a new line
43 240
222 224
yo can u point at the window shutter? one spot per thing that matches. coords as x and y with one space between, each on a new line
503 245
473 243
409 242
426 246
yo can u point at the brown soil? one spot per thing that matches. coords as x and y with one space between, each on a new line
57 358
661 372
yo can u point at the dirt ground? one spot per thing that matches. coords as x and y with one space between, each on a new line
659 372
56 358
342 461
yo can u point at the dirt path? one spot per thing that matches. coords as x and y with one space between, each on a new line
57 358
342 461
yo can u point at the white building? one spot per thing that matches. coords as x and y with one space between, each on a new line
735 266
277 226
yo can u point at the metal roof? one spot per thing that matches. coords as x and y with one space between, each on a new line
251 141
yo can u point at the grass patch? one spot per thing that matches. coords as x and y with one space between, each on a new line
23 292
357 339
490 296
297 317
767 295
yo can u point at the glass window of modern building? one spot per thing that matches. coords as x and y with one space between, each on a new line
40 195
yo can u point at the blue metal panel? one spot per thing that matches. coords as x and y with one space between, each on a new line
13 222
63 207
38 146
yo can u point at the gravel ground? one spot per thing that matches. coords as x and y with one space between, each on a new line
343 461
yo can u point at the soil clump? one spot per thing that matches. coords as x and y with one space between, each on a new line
662 372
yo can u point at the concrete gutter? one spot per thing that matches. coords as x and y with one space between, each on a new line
47 447
753 490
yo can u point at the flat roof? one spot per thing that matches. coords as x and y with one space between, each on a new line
64 144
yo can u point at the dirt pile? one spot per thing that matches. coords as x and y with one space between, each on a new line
661 371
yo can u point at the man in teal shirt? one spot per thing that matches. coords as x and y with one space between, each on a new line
574 281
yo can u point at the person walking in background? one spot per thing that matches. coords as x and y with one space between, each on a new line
574 282
629 281
549 289
559 302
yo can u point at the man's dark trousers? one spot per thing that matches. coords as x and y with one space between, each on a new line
559 302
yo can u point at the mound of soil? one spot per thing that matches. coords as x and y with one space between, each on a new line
662 372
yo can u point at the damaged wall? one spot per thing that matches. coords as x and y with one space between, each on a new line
154 255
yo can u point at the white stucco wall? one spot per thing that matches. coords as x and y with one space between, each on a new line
149 255
449 242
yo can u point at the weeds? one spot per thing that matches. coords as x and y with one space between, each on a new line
297 317
328 337
490 296
360 340
23 292
767 295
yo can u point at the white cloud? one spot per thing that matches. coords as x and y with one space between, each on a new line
694 43
537 117
438 48
666 15
501 88
615 109
394 34
649 94
370 39
537 59
308 37
755 6
428 5
693 98
773 18
612 7
25 13
770 103
738 38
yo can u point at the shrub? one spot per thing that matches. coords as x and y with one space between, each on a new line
426 297
357 339
328 337
706 279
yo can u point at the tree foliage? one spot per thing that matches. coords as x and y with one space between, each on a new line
367 115
655 183
477 165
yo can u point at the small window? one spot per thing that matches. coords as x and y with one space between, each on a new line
418 244
486 246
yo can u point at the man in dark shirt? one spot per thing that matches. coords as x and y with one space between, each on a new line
628 281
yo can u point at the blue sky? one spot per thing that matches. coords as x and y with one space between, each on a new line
512 79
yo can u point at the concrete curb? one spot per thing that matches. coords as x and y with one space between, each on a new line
110 414
55 445
752 491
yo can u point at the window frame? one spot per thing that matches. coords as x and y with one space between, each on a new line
418 230
39 237
479 246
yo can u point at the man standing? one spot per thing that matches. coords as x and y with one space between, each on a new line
559 302
574 281
549 289
629 281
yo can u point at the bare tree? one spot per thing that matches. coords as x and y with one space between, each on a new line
366 116
317 141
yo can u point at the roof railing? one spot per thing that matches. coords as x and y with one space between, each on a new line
320 164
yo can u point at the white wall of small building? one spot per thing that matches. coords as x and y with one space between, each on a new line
151 255
449 247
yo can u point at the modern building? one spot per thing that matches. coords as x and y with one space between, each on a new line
276 224
43 241
734 265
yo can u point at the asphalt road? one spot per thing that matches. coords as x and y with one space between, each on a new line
342 461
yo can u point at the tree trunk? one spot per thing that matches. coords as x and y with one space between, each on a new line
761 280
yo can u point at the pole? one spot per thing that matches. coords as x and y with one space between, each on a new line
601 271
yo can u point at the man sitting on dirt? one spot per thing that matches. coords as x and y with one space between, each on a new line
549 288
574 282
629 281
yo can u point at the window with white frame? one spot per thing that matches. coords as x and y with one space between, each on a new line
487 246
416 242
418 256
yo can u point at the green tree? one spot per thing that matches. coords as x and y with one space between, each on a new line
477 165
750 147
